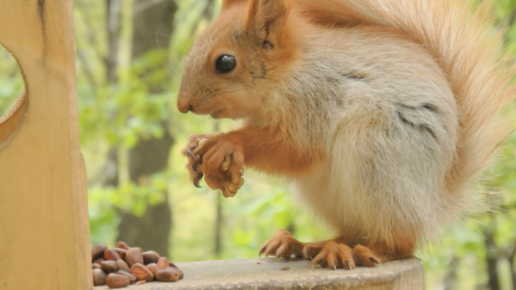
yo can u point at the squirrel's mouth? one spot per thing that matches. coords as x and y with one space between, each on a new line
217 114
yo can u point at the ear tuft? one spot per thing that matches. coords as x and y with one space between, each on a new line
273 10
266 18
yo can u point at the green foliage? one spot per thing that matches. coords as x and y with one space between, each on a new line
11 83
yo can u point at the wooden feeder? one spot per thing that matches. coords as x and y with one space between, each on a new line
44 234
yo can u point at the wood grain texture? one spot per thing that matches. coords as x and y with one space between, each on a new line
248 274
9 123
44 235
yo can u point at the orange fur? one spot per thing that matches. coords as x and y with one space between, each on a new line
268 150
332 13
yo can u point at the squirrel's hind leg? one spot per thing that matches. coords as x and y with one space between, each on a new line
333 254
338 254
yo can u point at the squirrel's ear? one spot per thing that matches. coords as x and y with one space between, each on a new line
266 18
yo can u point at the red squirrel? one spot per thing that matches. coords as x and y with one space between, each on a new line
380 112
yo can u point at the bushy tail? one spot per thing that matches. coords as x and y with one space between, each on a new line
461 38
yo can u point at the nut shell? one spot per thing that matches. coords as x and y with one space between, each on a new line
122 245
150 257
122 265
163 263
117 281
109 266
141 272
121 252
134 256
171 265
99 277
111 255
131 277
98 261
98 251
153 268
168 275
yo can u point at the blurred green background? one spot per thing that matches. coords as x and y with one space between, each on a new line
129 59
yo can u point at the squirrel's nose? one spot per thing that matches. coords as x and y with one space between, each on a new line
184 106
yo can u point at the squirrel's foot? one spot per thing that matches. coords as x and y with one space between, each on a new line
364 257
219 159
282 245
329 254
335 255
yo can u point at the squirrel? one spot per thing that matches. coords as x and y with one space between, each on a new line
380 112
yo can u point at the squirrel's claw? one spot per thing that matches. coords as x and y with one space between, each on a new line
194 160
189 152
197 177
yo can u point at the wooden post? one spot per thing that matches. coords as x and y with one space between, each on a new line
44 235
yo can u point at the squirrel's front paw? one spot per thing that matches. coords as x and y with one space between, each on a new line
194 160
220 159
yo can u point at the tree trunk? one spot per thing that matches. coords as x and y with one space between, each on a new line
219 222
219 208
512 264
113 17
207 13
491 257
152 29
450 281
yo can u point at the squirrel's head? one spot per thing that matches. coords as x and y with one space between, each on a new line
241 55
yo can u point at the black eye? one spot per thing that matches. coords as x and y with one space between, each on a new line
225 64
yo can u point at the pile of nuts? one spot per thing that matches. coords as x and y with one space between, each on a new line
120 266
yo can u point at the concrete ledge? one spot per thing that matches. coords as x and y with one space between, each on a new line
264 274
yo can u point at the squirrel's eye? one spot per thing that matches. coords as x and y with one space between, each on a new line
225 64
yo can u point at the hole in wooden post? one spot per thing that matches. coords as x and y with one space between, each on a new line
13 100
